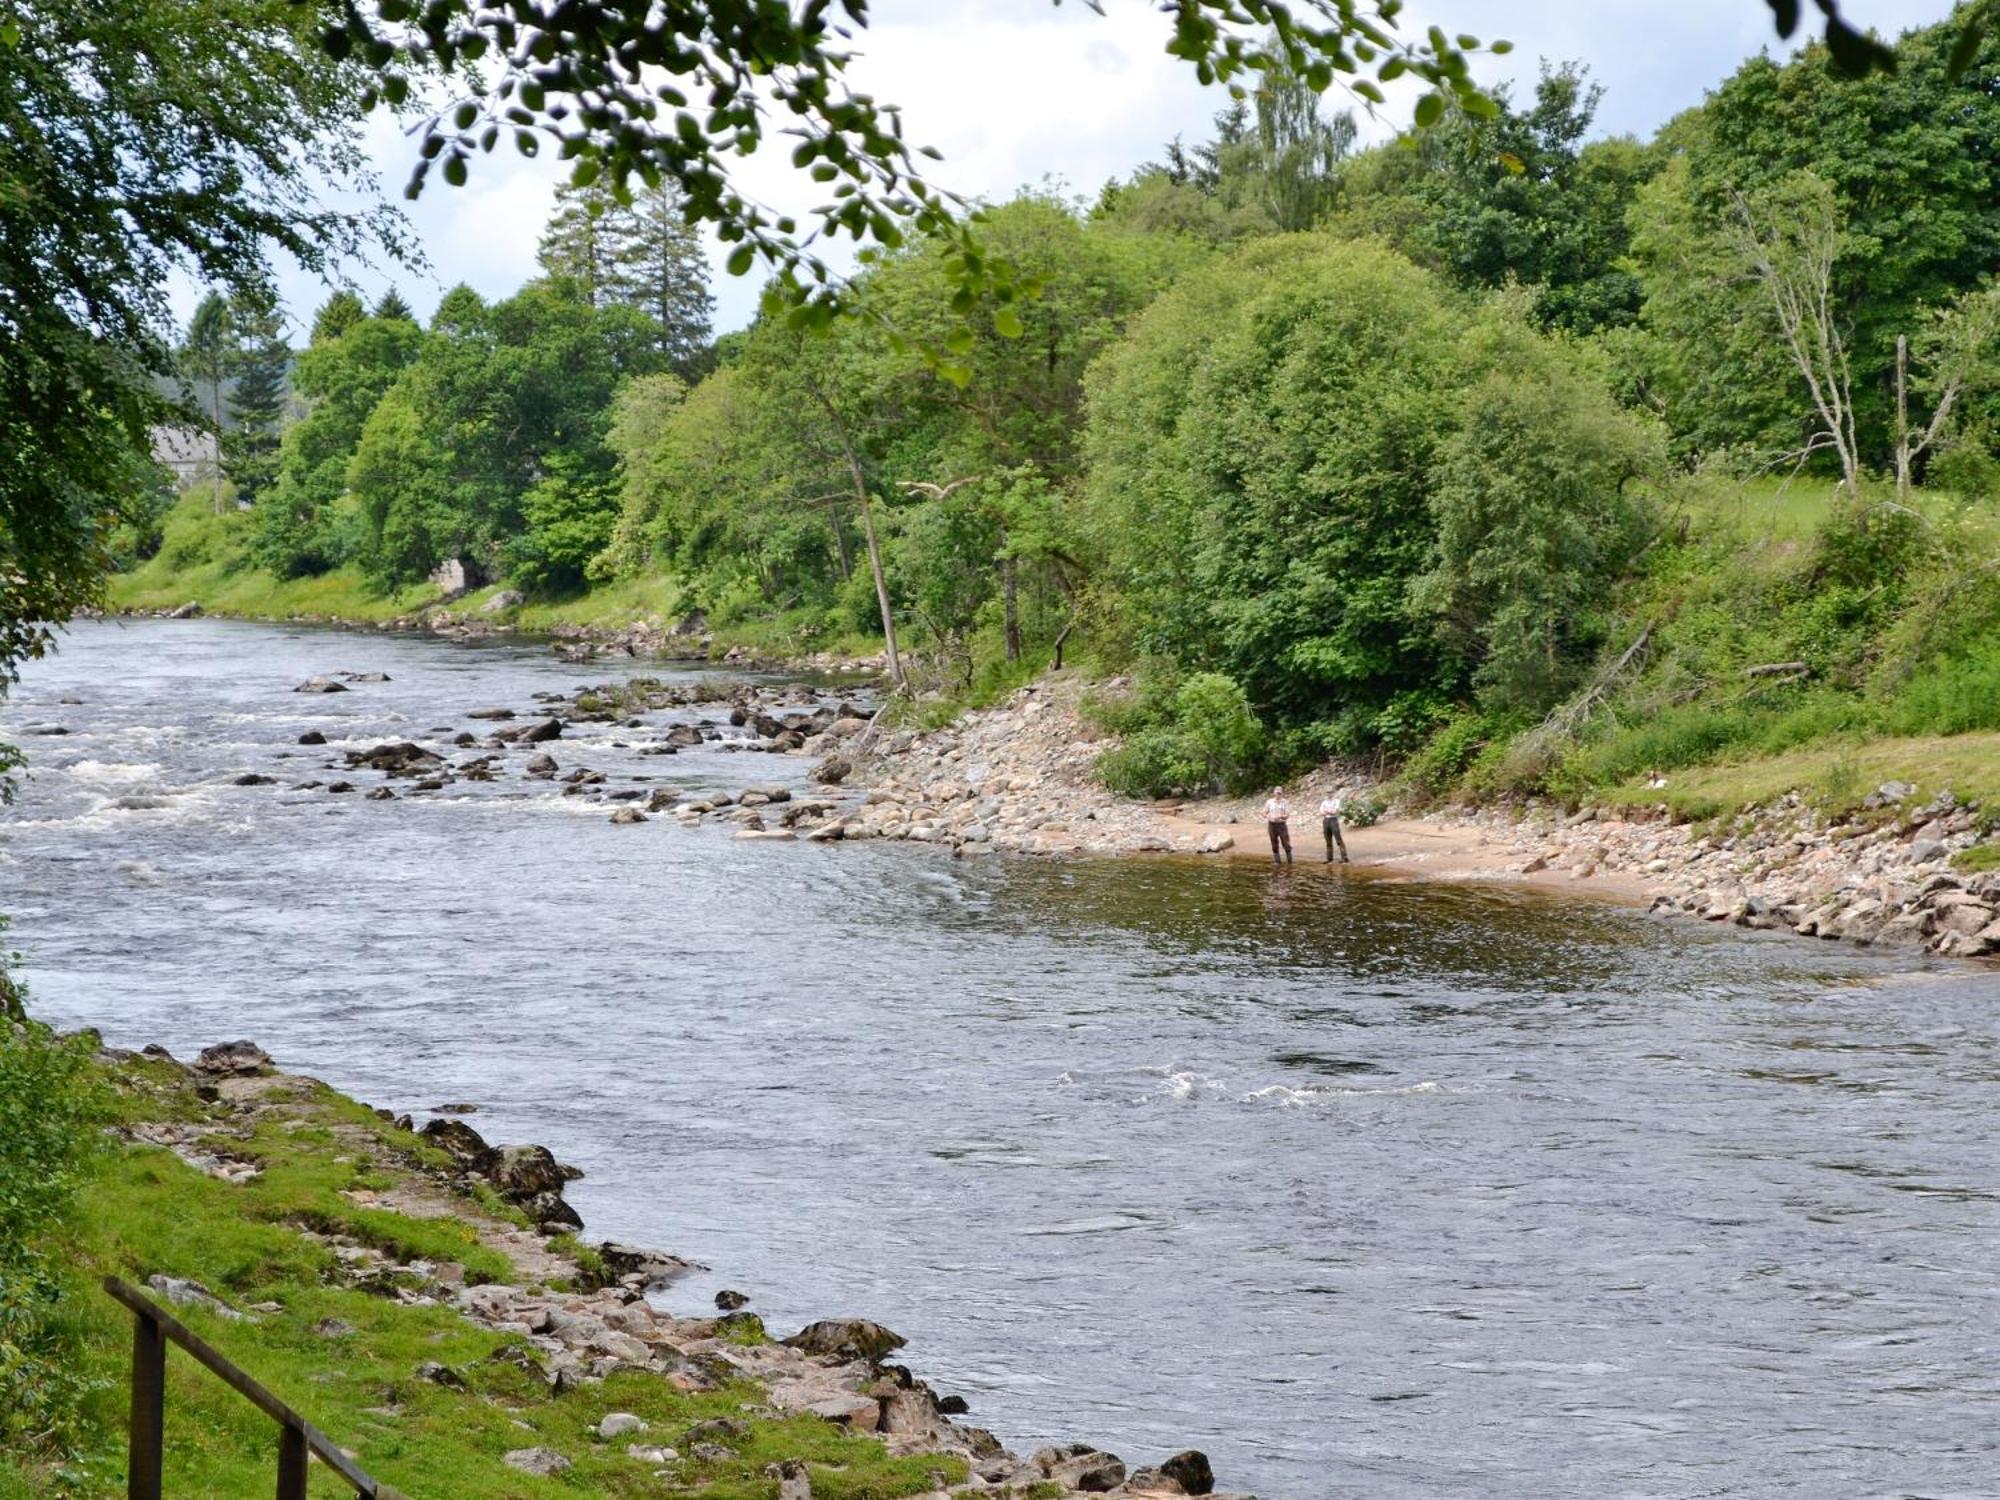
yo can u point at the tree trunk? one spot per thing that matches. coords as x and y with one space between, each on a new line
215 412
1903 418
840 544
1011 610
861 498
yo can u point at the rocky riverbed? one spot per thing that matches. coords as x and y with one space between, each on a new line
579 1315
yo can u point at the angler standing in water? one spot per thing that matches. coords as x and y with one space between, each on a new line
1277 816
1329 825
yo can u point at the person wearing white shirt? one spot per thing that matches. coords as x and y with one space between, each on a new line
1329 824
1277 822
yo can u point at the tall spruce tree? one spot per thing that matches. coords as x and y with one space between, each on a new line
581 240
250 452
657 266
207 358
392 305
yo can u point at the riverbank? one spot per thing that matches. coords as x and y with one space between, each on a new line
1909 867
643 617
1905 862
423 1297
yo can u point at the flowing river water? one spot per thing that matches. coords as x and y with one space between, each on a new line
1366 1188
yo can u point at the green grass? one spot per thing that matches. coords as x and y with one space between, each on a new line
205 559
253 594
347 1358
1834 776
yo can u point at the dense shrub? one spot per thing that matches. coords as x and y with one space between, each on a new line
47 1130
1202 738
1318 471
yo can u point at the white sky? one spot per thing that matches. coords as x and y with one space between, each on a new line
1016 92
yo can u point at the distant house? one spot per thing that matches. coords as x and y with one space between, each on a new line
190 452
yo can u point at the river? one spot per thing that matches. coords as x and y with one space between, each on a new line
1364 1187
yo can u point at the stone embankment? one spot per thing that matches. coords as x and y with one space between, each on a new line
578 1315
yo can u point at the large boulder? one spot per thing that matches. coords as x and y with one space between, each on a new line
552 1212
455 576
524 1171
540 731
832 771
1191 1471
543 1463
847 1338
461 1140
504 600
1081 1467
397 758
240 1059
320 685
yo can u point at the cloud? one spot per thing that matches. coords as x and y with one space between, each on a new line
1018 93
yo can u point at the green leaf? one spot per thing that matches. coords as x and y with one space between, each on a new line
454 170
1007 323
741 259
1430 109
959 341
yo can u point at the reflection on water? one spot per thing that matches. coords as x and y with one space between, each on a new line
1365 1187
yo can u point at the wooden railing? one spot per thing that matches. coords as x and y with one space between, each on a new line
153 1329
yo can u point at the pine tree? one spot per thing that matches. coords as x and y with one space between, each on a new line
392 305
207 358
658 267
581 240
250 453
341 312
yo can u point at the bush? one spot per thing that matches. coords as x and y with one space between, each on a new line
48 1114
1437 767
1202 737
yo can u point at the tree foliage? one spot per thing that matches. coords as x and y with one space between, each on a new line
134 139
262 362
1304 471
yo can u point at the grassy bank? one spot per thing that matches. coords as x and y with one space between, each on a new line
1781 638
205 559
332 1286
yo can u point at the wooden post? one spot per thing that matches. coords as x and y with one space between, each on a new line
149 1406
292 1456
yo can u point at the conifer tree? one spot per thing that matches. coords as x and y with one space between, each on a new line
392 305
207 358
339 313
581 241
658 267
250 452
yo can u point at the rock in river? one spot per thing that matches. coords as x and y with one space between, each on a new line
533 734
847 1338
320 685
1191 1471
